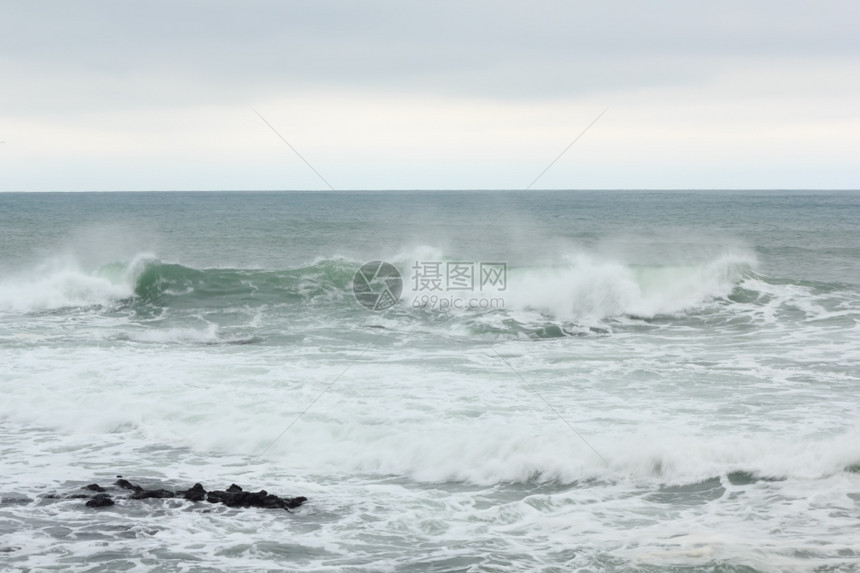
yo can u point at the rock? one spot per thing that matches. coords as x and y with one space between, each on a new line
100 500
234 496
125 484
216 496
152 494
295 502
196 493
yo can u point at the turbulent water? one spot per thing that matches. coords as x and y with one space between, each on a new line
660 381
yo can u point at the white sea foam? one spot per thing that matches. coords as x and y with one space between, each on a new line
723 431
590 289
385 420
61 282
586 288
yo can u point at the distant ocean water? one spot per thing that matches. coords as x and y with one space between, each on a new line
650 381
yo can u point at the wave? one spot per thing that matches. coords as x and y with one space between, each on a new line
61 283
519 457
588 290
169 284
576 297
488 450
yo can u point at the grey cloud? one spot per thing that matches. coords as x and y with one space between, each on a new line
80 55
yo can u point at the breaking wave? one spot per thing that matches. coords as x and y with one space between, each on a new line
579 296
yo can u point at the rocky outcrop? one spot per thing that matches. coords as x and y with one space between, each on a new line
233 496
100 500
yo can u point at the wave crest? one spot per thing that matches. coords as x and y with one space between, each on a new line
589 290
61 283
585 291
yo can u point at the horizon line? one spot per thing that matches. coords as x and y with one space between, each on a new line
432 190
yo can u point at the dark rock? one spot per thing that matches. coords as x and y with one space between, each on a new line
125 484
152 494
234 496
196 493
262 498
248 499
295 502
216 496
100 500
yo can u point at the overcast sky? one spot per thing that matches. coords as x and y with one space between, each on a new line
157 95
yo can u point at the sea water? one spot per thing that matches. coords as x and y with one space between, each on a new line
650 381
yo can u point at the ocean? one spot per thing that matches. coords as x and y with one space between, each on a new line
544 381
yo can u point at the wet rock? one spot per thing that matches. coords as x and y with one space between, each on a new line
125 484
152 494
196 493
295 502
234 496
100 500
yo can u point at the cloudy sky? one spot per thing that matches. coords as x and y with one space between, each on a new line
120 95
